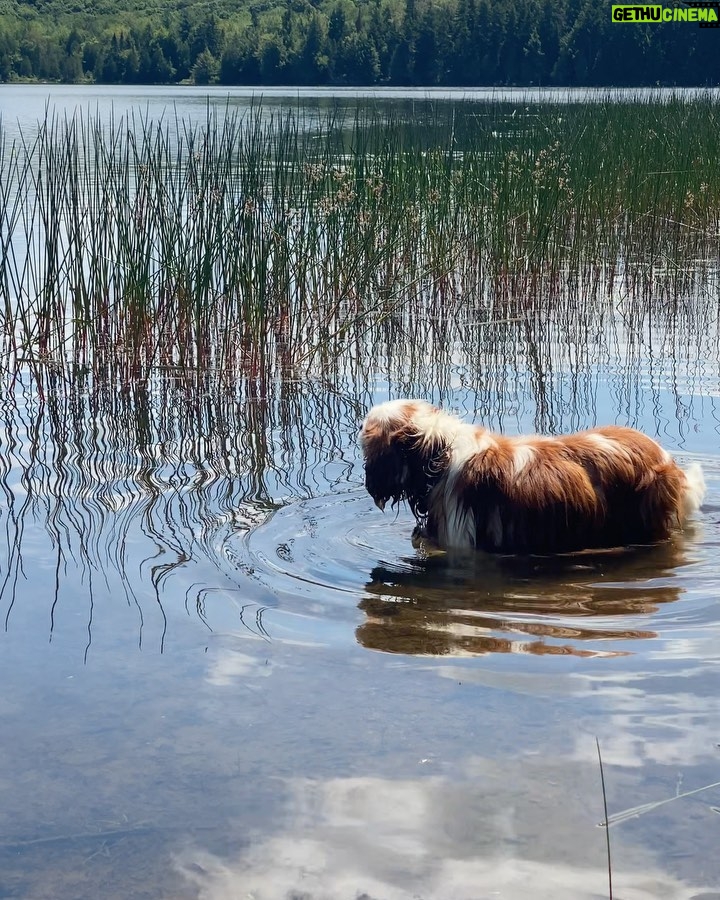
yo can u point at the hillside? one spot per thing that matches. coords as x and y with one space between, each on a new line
355 42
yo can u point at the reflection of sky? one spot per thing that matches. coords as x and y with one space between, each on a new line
488 827
267 766
432 838
664 716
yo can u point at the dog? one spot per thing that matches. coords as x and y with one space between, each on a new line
470 488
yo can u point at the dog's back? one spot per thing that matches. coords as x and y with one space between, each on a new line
601 488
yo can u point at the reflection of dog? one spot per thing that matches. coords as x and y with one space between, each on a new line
468 487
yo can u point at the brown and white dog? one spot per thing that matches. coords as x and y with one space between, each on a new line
471 488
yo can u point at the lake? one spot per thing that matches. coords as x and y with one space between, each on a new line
227 674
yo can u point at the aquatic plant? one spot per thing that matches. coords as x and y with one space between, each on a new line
275 241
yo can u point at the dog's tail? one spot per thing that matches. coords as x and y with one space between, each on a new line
694 492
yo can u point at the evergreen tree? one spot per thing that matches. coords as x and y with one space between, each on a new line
359 62
206 69
312 62
404 42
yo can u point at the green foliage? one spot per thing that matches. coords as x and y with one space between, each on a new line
356 42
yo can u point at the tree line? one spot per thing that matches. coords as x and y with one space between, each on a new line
355 42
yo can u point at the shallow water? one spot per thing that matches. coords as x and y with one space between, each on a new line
227 674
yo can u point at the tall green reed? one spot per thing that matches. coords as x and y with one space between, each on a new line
277 239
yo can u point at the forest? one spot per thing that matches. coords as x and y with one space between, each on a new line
348 42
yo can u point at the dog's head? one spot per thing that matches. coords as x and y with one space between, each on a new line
406 448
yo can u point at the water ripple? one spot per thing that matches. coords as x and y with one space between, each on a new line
337 557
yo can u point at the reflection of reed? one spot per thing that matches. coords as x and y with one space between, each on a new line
120 489
117 493
469 605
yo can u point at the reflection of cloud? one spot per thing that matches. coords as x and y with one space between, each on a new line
307 870
673 740
677 728
229 666
703 646
376 839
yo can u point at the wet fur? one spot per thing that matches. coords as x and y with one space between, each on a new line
471 488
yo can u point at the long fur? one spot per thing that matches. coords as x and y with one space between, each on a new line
471 488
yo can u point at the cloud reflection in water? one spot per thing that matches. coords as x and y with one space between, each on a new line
377 839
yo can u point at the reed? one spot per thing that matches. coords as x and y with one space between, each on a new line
282 239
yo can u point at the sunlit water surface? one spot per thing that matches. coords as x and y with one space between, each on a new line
227 674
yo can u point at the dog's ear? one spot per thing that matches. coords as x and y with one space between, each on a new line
385 447
386 475
402 463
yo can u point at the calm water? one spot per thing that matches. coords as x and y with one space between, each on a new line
23 106
228 675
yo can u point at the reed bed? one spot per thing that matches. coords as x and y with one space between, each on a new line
279 240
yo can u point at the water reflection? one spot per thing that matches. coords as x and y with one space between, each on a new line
433 837
225 494
580 604
123 494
